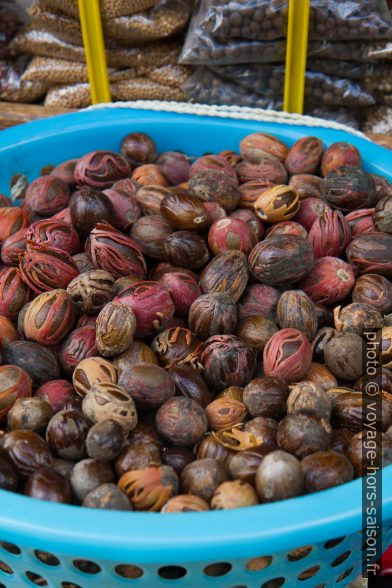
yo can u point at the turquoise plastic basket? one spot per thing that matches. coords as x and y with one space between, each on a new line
63 546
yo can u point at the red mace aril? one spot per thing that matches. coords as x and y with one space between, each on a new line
250 218
64 215
330 234
259 299
287 355
330 280
361 221
310 209
44 268
8 333
56 233
46 195
183 290
13 247
338 154
80 344
152 304
231 233
101 169
114 252
14 383
12 219
14 293
49 317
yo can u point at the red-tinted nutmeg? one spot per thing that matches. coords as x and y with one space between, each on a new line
126 208
361 221
287 355
12 219
47 195
56 392
183 290
330 281
79 345
330 234
56 233
44 267
114 252
371 254
338 154
231 233
152 304
14 292
49 317
101 169
304 156
14 246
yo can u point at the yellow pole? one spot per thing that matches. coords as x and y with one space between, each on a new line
296 53
90 21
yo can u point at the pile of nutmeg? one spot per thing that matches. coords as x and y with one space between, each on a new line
186 334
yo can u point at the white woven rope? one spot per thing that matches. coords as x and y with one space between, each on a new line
234 112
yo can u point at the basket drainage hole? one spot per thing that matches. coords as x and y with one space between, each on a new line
36 579
275 583
345 575
86 566
340 559
10 547
259 563
333 542
6 568
47 558
172 572
128 571
218 569
299 553
309 573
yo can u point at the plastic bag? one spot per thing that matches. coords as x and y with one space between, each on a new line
320 88
45 44
378 120
352 50
69 96
61 71
164 20
145 89
171 75
13 88
206 87
340 115
261 20
109 8
355 70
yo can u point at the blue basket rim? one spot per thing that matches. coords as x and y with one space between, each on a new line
148 536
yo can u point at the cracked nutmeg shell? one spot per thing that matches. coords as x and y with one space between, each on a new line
357 317
227 361
276 204
281 260
371 254
115 329
227 273
91 290
297 311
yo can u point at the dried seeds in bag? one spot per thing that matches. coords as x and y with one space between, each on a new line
145 89
13 88
109 8
261 20
339 115
62 26
351 50
62 71
355 70
378 120
202 49
320 88
166 19
206 87
46 44
171 75
69 96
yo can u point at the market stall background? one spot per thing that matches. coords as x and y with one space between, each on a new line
210 51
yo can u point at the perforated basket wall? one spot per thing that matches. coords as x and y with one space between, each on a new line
312 541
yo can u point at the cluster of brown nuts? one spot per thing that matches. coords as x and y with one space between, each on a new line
182 335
